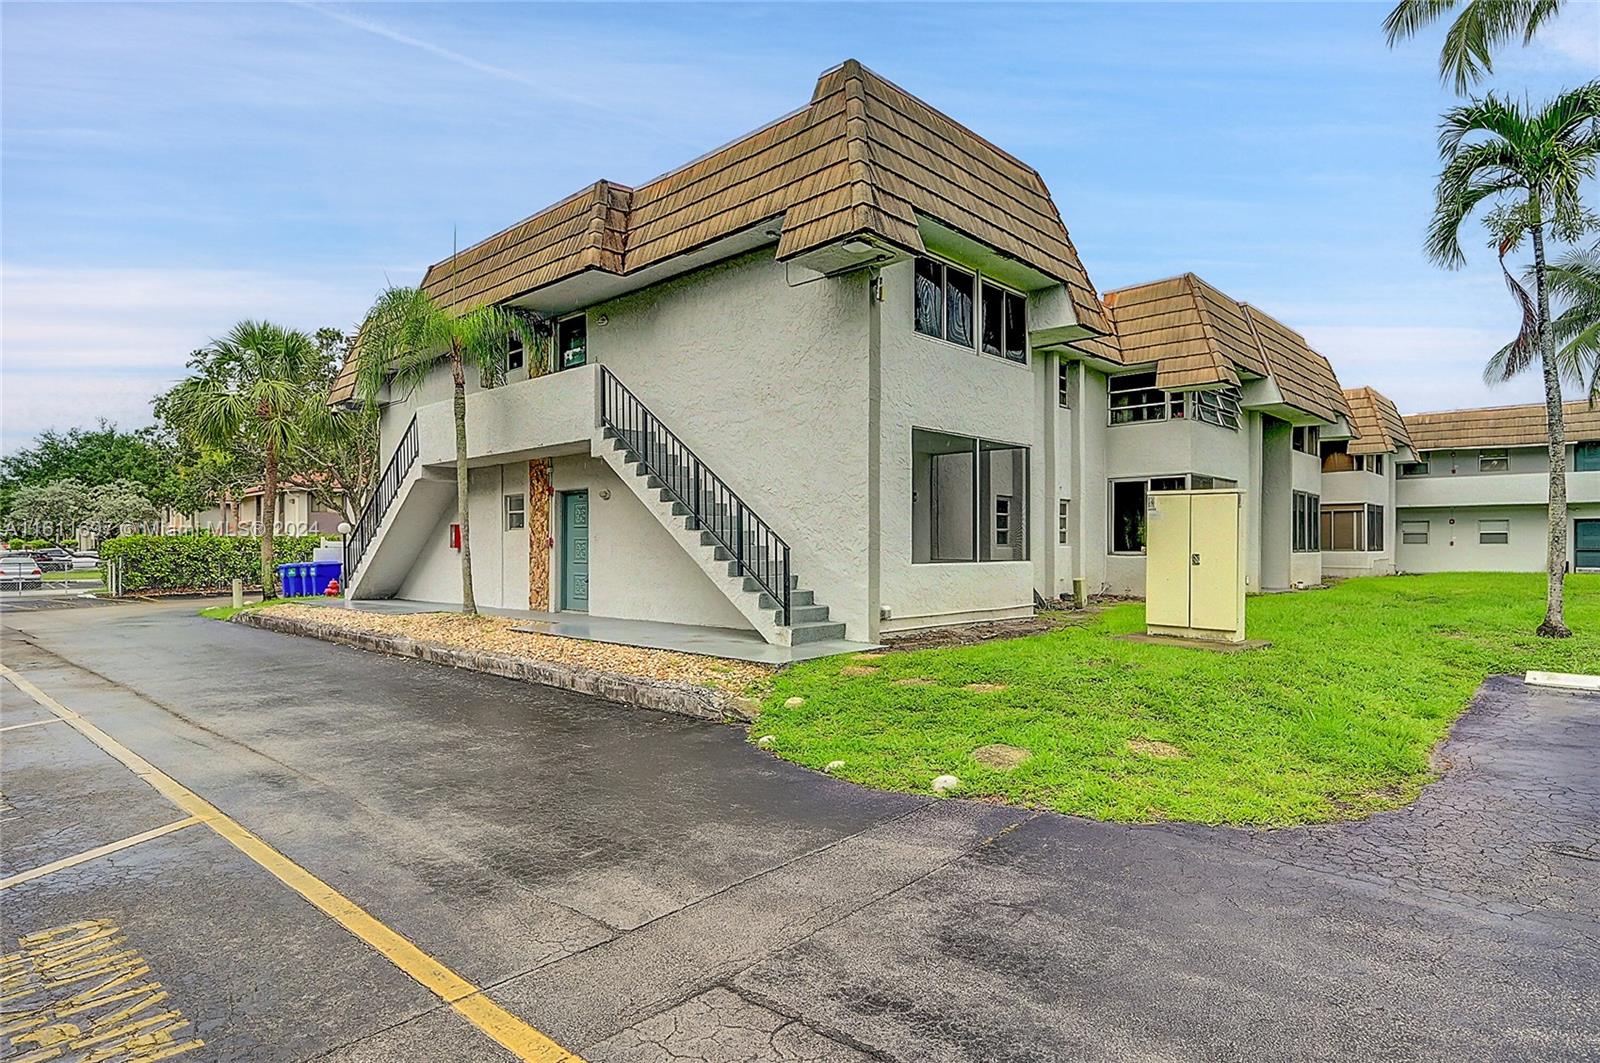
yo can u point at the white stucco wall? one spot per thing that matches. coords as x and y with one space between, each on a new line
499 557
636 569
765 378
931 384
1454 547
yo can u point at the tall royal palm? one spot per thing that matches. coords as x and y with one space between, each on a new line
251 394
1528 167
1480 26
405 337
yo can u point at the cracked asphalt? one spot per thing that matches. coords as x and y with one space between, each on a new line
642 887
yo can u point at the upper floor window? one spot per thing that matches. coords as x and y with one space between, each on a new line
572 342
1587 458
1407 469
1005 331
944 302
1375 464
1305 438
1219 407
1064 385
514 354
1134 397
1494 460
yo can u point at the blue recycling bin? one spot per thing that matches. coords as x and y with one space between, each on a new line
323 573
288 580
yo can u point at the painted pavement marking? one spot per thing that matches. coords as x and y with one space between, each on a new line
35 723
468 1001
74 994
92 854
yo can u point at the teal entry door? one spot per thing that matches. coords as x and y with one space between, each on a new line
575 550
1586 536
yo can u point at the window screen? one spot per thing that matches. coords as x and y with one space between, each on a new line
1494 532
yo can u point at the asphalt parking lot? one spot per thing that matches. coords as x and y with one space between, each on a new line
632 886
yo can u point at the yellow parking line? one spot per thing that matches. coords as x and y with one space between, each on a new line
468 1000
92 854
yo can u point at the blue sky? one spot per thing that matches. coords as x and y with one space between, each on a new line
170 169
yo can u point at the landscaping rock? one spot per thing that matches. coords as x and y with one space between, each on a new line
766 741
1000 756
859 669
794 702
833 766
944 784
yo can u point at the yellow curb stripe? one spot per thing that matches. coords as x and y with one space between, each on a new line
92 854
468 1000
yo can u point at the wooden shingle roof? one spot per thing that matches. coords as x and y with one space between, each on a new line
863 158
1198 337
1499 426
1304 377
1379 427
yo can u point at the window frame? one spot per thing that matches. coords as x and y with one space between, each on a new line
1503 533
519 512
1063 384
1306 523
560 355
1164 404
1111 514
1494 459
1407 470
980 281
1063 520
1586 450
1015 530
1408 529
1306 439
1220 399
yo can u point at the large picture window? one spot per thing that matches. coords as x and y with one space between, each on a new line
969 499
943 299
1356 527
1127 516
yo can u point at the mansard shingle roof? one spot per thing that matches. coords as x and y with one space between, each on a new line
1499 426
1199 337
863 158
1379 427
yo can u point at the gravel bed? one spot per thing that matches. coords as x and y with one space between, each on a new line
494 634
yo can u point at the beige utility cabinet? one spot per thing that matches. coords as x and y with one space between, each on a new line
1194 564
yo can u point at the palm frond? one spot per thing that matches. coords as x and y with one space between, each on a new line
1410 16
1522 352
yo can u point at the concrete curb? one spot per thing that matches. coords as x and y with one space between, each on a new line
684 699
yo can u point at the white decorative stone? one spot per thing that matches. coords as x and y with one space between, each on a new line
794 702
945 783
833 766
765 741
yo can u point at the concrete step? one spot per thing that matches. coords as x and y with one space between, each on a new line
796 598
803 633
750 583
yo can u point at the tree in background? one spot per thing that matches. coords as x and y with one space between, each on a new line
50 510
118 505
1529 166
407 334
252 392
339 459
1574 282
1467 55
92 456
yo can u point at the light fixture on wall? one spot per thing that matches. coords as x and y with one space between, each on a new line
605 494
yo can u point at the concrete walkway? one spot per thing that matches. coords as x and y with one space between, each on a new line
650 634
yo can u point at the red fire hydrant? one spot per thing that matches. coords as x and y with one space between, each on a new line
333 590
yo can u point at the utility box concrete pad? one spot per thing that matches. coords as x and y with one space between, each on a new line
1194 564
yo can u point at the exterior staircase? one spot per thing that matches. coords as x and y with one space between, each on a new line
744 557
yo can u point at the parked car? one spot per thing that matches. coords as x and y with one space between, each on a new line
85 559
53 559
20 572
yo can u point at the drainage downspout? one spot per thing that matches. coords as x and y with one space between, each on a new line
874 449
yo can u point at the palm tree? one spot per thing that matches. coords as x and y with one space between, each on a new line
1574 282
402 341
252 393
1530 166
1467 54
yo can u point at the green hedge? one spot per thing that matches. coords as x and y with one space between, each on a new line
182 562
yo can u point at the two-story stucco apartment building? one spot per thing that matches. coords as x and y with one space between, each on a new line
844 376
1474 496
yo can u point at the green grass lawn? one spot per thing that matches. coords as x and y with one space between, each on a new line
74 574
226 612
1334 720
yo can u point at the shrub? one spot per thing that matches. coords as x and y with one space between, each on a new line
180 562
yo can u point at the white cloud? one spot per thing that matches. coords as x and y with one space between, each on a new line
80 344
1420 367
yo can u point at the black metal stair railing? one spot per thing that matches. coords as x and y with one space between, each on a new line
760 553
394 474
